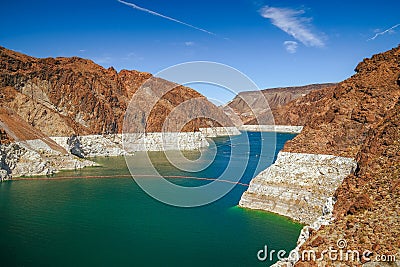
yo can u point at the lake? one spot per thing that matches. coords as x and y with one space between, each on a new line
113 222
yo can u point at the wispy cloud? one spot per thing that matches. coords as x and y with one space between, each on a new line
291 46
103 60
131 56
163 16
293 23
189 43
390 30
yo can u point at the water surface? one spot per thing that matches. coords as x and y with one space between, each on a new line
112 222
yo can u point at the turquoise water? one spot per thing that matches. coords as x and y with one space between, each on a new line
112 222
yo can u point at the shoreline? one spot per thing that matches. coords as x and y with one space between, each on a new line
293 129
297 184
300 187
36 157
272 213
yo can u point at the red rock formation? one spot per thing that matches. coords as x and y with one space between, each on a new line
359 118
15 128
65 96
338 119
276 98
296 112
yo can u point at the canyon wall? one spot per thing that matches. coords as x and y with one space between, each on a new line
85 108
248 105
66 96
357 119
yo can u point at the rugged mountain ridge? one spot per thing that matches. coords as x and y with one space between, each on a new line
65 96
339 119
358 118
45 103
276 98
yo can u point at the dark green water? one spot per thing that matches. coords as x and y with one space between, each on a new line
112 222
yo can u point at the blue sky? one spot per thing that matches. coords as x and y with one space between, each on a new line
275 43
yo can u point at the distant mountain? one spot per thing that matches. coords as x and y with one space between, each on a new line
276 98
65 96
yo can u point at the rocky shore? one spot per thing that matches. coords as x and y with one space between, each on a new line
34 157
272 128
325 219
297 185
219 131
41 157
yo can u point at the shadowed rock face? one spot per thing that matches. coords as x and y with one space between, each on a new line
65 96
276 98
360 118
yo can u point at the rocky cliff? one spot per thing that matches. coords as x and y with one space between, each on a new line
362 120
65 96
339 120
69 97
358 118
276 98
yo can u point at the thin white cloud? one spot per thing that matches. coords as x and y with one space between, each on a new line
291 46
103 60
293 23
131 56
189 43
165 17
390 30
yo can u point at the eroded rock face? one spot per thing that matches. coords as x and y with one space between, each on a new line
4 168
24 161
75 146
322 221
338 120
66 96
35 157
276 98
297 185
219 131
93 145
367 209
4 137
165 141
358 118
272 128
